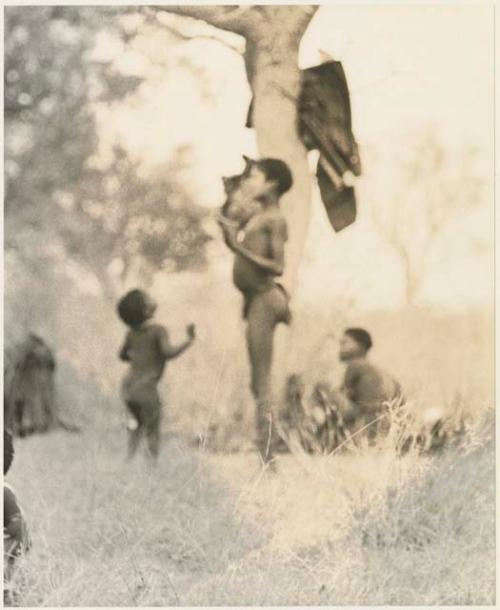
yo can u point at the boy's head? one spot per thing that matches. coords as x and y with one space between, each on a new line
266 177
136 307
355 343
8 451
276 173
273 176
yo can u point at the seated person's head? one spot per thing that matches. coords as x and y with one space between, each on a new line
355 343
136 307
8 451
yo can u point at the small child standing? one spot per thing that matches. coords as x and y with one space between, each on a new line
147 348
15 532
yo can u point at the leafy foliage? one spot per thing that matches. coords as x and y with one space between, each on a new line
61 203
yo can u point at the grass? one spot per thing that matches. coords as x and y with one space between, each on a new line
204 528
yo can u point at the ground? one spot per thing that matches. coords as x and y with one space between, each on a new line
204 529
362 527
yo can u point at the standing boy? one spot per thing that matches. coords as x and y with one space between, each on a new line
147 348
259 260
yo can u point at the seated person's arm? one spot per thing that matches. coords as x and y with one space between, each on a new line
170 351
275 264
345 407
348 389
124 355
351 380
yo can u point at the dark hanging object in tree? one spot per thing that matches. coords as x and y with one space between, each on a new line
30 404
325 125
339 200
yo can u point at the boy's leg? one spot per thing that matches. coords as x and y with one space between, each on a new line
134 433
263 314
153 436
134 437
152 426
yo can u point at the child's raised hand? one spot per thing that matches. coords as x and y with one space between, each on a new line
191 331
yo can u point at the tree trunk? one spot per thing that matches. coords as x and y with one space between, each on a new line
273 77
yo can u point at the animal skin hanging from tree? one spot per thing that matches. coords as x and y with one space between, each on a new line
325 125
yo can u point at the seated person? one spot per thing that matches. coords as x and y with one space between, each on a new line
366 388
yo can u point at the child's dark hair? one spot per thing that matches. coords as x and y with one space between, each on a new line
278 170
8 451
361 336
135 308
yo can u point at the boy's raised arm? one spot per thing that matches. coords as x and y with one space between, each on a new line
170 351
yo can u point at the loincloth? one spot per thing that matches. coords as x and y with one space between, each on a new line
283 311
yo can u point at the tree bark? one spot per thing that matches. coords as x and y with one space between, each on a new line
275 80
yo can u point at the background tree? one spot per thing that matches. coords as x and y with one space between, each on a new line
135 227
60 203
81 225
433 190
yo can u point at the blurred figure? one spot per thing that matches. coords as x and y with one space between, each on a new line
147 348
15 532
29 398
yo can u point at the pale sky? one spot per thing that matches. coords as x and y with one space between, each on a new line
408 68
412 64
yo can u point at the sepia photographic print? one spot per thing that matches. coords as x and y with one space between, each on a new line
248 305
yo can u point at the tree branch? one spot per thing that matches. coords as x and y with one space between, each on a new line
237 19
183 36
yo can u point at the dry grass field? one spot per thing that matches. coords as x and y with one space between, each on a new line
361 527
